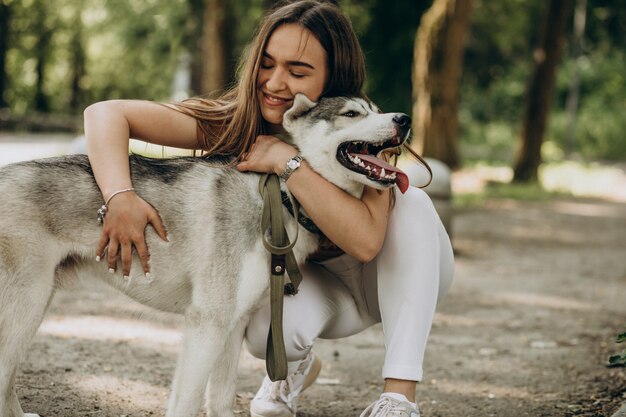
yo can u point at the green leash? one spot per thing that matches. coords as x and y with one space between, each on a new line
283 260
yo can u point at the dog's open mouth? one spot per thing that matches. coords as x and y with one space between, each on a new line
362 157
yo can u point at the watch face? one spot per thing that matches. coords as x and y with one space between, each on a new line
293 164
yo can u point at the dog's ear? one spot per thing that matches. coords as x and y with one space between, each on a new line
301 106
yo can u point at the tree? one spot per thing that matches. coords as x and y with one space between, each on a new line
438 62
42 52
387 35
540 90
77 62
213 64
5 17
580 16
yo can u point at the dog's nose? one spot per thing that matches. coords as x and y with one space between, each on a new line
402 120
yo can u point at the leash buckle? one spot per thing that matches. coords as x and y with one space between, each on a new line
278 265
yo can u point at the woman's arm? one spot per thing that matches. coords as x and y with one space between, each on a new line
358 227
108 127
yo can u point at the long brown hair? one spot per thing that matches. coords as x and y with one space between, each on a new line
229 124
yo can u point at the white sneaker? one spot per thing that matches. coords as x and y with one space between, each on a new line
279 399
386 406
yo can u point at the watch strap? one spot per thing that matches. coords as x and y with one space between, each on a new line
291 165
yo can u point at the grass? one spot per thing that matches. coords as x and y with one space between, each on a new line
498 190
476 184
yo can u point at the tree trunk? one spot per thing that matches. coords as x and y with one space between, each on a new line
216 46
540 88
77 63
573 96
195 41
438 63
5 18
41 55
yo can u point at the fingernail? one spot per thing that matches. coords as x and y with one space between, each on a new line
167 237
126 277
111 271
148 277
98 258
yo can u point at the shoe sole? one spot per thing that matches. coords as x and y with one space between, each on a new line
316 367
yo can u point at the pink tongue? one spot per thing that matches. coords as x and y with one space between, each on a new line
402 181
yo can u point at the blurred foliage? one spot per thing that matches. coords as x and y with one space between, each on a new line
498 62
619 359
387 34
132 49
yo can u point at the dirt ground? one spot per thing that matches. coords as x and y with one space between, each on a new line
526 330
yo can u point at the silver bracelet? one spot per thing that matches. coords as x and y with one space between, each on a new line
102 211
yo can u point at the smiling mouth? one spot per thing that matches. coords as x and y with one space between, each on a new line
362 158
275 100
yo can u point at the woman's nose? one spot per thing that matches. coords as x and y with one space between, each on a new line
276 81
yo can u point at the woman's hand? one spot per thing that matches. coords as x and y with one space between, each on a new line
124 227
268 154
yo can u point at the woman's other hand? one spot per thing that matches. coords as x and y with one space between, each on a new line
124 227
268 154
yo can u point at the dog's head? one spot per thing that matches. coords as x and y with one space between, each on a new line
342 138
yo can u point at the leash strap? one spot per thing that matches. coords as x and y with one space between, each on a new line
283 260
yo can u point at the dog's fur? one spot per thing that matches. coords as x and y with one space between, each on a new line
212 270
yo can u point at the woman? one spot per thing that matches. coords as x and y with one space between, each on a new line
386 262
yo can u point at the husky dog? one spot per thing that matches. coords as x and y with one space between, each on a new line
214 268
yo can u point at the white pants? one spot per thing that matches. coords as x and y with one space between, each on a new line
401 287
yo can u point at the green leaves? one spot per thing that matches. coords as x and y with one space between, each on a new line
618 360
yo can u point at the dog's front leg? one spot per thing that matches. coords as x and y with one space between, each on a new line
203 343
221 391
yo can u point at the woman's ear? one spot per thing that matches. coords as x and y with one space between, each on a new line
301 106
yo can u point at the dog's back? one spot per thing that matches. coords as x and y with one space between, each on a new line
48 216
49 233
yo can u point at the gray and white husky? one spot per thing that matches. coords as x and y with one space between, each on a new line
214 270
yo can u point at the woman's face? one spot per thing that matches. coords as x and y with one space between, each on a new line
293 62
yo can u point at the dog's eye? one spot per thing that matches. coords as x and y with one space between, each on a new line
350 114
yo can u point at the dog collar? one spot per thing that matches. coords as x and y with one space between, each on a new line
303 220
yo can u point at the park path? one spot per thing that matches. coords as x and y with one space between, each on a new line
526 329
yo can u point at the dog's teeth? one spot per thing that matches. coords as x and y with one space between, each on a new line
361 164
368 168
392 176
382 172
357 159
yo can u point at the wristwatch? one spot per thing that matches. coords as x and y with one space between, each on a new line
290 167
